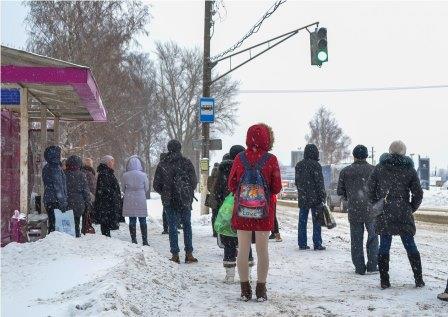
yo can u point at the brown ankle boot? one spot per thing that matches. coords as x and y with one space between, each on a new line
260 291
189 258
246 291
175 258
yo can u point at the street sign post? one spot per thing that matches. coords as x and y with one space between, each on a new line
214 144
207 110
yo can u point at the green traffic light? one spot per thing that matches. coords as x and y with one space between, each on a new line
322 56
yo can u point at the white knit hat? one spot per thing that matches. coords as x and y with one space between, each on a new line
397 147
106 159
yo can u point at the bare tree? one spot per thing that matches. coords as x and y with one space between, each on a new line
326 134
98 34
179 86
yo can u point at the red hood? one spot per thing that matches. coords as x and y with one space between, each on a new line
260 137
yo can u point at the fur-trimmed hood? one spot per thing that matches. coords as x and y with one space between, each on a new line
396 160
260 136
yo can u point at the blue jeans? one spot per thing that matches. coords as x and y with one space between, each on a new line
357 248
406 239
185 218
303 219
133 220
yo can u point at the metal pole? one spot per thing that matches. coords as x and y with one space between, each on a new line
56 129
24 151
206 82
43 145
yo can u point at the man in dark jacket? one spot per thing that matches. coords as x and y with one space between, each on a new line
55 188
175 180
352 186
394 179
78 191
108 207
311 194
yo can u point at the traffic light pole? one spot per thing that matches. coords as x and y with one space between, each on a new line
206 82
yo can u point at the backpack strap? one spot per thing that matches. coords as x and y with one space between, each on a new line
245 161
262 161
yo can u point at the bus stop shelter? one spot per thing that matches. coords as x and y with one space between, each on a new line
38 89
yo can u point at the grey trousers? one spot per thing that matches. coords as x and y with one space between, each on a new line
357 248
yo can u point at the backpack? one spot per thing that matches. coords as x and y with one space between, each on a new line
253 194
182 191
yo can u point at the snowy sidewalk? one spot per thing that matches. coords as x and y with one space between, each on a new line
96 276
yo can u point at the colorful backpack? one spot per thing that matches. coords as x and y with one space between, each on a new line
253 195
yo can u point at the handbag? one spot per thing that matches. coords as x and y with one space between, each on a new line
325 217
65 221
223 220
211 202
378 207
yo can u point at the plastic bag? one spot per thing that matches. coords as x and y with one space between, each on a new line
65 222
224 218
18 227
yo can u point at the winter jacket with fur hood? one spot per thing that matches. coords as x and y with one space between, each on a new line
396 177
259 141
135 184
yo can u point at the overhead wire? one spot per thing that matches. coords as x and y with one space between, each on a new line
338 90
252 31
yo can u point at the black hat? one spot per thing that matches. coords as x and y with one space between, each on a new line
360 152
174 146
235 150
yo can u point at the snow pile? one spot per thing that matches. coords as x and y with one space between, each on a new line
91 276
435 197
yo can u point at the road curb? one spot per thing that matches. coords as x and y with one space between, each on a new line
432 215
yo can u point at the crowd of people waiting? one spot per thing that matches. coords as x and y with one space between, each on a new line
380 199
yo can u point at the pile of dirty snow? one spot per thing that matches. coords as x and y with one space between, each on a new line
90 276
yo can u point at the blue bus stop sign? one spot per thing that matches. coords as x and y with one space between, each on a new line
10 96
207 110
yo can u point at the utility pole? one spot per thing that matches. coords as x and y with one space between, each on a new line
206 82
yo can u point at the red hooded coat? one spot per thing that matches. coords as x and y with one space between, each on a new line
259 141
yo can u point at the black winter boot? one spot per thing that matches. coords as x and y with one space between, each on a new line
144 230
133 232
416 265
383 266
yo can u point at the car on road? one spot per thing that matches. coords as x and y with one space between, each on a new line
289 193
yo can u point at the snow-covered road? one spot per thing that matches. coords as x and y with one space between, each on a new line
128 280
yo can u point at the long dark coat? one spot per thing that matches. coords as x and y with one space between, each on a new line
107 198
91 178
220 189
169 165
352 186
55 188
395 176
309 179
77 187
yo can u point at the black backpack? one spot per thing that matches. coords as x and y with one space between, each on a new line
182 190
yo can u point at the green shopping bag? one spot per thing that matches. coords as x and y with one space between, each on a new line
224 218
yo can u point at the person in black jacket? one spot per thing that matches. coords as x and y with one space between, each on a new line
77 189
108 196
55 188
352 186
175 180
220 191
396 181
211 201
311 195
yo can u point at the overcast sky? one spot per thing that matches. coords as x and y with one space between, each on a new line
371 44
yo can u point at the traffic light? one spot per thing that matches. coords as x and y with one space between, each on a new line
318 45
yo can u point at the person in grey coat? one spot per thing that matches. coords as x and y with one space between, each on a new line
77 189
352 186
135 185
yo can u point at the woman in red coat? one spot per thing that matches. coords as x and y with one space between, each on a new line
259 141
